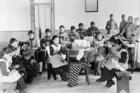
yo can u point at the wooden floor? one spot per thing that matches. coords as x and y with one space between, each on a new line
42 85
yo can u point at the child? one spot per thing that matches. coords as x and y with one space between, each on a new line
81 31
57 60
99 45
99 40
62 34
8 78
117 60
48 35
73 34
41 56
92 29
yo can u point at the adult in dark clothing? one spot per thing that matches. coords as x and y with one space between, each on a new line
111 25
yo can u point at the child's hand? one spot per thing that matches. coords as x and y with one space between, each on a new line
13 72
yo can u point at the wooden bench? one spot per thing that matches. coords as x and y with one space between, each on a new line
123 82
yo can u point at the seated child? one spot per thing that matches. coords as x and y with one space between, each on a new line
98 43
62 34
57 60
117 60
48 35
73 34
8 78
41 55
81 31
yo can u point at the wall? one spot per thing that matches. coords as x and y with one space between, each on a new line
14 20
71 12
14 15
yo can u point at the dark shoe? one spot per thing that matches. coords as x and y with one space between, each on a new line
100 80
130 77
54 77
109 83
49 76
39 73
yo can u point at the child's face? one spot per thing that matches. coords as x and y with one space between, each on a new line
31 36
81 27
47 43
99 37
15 44
62 30
130 20
117 46
73 30
48 34
56 41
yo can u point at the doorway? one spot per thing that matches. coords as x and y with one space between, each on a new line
42 17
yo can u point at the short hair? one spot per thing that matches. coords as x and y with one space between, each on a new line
31 32
47 30
112 39
43 41
53 38
111 15
123 15
61 26
8 50
81 24
72 27
92 23
12 40
98 33
119 42
130 17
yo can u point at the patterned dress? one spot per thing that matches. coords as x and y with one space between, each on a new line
74 71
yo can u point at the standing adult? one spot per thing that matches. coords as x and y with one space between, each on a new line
111 25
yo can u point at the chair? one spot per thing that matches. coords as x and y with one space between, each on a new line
71 57
123 82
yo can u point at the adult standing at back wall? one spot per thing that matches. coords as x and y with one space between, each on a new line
111 25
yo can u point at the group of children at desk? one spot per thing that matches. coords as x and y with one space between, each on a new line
35 56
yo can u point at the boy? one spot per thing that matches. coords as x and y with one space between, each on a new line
92 29
73 34
81 31
48 35
62 34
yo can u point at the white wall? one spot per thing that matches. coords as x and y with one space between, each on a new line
42 1
14 15
71 12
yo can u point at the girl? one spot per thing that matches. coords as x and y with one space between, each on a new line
117 60
8 77
99 45
57 60
41 55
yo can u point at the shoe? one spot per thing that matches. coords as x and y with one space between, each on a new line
130 77
100 80
109 83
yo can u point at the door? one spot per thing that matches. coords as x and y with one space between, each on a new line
43 17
